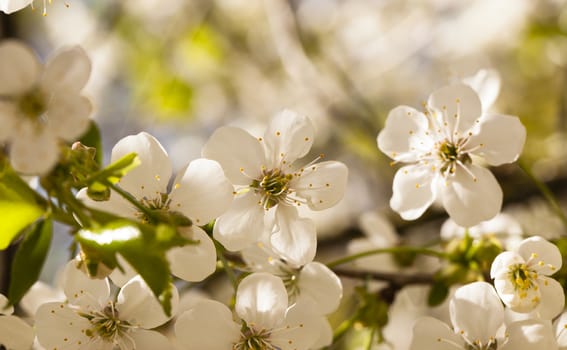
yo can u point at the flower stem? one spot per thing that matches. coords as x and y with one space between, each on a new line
390 250
545 191
131 199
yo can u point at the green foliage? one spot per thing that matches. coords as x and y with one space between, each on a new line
29 259
99 182
92 138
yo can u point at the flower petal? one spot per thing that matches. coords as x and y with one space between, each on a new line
137 304
431 334
208 325
202 192
545 255
261 300
34 151
239 153
404 130
472 196
5 307
293 237
301 328
15 334
488 141
60 327
532 334
499 268
19 67
193 262
69 71
552 298
150 340
476 312
116 204
414 191
10 6
322 286
242 225
459 106
486 83
150 178
289 136
560 325
68 115
83 291
121 278
322 184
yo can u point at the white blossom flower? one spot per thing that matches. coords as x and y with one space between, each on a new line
265 320
270 183
9 6
560 327
521 278
93 319
41 106
201 192
442 146
15 334
477 317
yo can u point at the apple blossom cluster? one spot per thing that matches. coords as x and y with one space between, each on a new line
147 239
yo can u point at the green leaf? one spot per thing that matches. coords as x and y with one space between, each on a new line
29 259
18 208
437 293
92 138
98 182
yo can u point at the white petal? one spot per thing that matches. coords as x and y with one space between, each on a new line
544 255
560 325
530 335
490 143
261 300
476 310
9 118
322 184
289 136
60 327
15 333
202 192
404 130
208 325
431 334
81 290
5 307
10 6
68 71
121 278
150 340
150 178
242 225
239 153
378 229
325 334
138 305
193 262
38 294
470 198
552 298
499 268
486 83
459 105
116 204
68 115
293 237
300 329
414 191
34 151
318 283
19 67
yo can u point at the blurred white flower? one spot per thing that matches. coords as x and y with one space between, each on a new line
440 146
93 319
201 192
265 320
521 278
9 6
502 227
486 83
40 106
477 316
267 176
15 334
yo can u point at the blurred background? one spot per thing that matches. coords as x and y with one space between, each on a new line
181 68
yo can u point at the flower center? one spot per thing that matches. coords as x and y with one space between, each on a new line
32 104
273 187
522 278
160 203
491 345
450 154
251 339
106 324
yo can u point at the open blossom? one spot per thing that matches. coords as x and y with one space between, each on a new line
93 318
477 316
270 183
41 106
200 192
521 278
15 334
265 320
442 147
